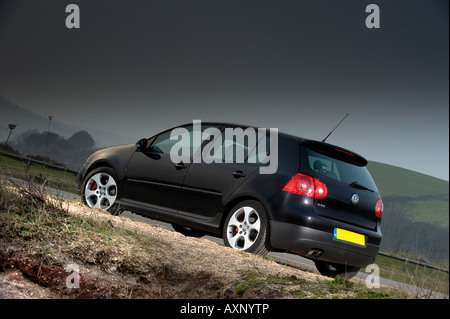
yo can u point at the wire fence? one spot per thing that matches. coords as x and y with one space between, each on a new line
412 261
28 161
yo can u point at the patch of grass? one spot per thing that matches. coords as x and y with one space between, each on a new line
357 291
35 225
435 212
254 280
292 287
419 276
59 179
396 181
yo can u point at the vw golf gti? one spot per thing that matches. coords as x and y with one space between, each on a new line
321 201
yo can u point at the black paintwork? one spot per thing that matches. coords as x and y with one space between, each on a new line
200 195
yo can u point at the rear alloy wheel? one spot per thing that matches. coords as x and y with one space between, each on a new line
246 228
334 270
100 190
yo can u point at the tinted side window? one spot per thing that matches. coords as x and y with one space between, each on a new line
163 144
225 150
228 148
259 154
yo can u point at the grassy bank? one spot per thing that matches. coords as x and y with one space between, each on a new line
419 276
119 258
55 178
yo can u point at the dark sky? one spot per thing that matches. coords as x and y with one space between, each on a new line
137 67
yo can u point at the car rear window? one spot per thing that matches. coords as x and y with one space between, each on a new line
336 168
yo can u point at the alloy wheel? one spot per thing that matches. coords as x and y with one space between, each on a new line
100 191
243 228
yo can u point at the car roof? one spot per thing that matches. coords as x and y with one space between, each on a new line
304 141
227 124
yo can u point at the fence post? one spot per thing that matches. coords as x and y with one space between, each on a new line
406 264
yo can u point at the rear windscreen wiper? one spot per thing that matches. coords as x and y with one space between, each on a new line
355 184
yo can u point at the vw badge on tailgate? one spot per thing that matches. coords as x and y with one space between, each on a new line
355 199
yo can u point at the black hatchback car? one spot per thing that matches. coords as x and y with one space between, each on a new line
320 203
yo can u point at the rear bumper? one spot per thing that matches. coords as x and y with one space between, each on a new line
301 239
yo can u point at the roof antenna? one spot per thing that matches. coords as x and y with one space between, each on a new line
335 127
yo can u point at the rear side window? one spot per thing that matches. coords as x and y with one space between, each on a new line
337 169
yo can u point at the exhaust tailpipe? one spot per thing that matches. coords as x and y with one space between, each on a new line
314 253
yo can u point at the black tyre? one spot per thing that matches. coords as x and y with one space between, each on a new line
246 228
334 270
100 190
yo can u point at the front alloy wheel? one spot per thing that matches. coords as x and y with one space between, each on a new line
246 228
100 190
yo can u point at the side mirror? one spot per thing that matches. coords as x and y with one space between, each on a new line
142 144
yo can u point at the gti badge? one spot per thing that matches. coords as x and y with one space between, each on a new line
355 199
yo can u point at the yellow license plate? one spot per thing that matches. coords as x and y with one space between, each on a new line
349 236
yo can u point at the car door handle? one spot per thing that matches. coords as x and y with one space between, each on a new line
238 174
180 166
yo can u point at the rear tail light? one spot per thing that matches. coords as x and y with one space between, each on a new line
379 209
305 185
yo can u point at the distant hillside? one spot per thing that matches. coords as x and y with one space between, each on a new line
428 196
72 152
393 180
416 214
27 120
